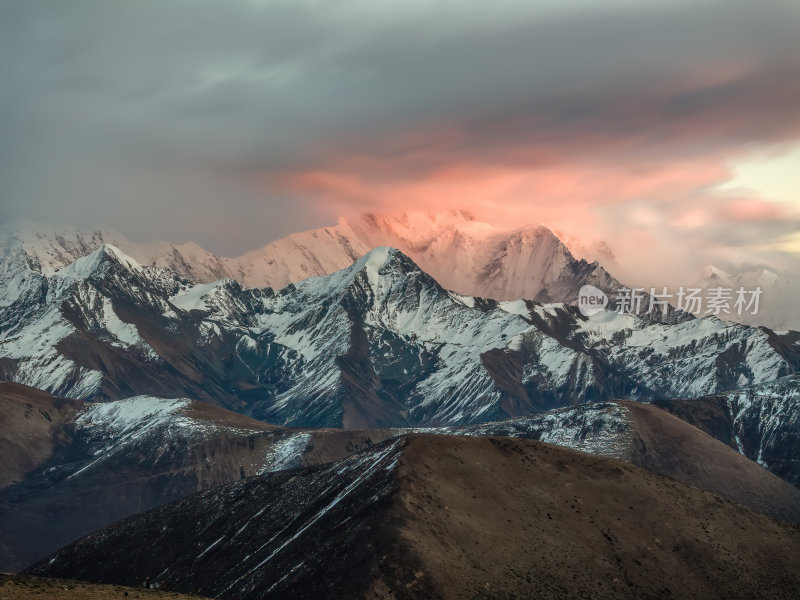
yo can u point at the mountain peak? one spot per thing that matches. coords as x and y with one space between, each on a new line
380 269
765 275
98 261
416 228
381 256
712 272
42 234
536 232
541 241
378 261
420 217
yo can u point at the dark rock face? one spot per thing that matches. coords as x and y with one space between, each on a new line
448 517
312 534
761 421
710 414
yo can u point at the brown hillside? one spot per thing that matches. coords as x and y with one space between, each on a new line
450 517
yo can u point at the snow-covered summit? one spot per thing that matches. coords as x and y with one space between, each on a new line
710 273
463 254
98 262
372 267
50 249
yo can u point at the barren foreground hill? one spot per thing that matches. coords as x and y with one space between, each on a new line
25 587
428 516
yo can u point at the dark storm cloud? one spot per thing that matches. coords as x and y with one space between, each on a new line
118 111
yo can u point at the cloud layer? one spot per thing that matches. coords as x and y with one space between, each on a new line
234 123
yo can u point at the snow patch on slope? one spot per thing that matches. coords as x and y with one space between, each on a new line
195 297
123 416
601 429
286 453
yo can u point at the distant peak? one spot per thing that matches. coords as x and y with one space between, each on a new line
32 229
712 272
538 233
531 227
112 251
766 274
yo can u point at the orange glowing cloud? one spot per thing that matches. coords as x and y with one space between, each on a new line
668 217
562 195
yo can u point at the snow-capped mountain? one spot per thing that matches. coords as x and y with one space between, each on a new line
464 255
378 344
467 256
45 250
778 301
765 421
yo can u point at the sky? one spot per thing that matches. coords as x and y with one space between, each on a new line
669 129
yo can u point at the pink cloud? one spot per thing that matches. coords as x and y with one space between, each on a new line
663 218
637 167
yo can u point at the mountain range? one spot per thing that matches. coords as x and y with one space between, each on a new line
133 381
463 254
72 467
425 516
378 344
